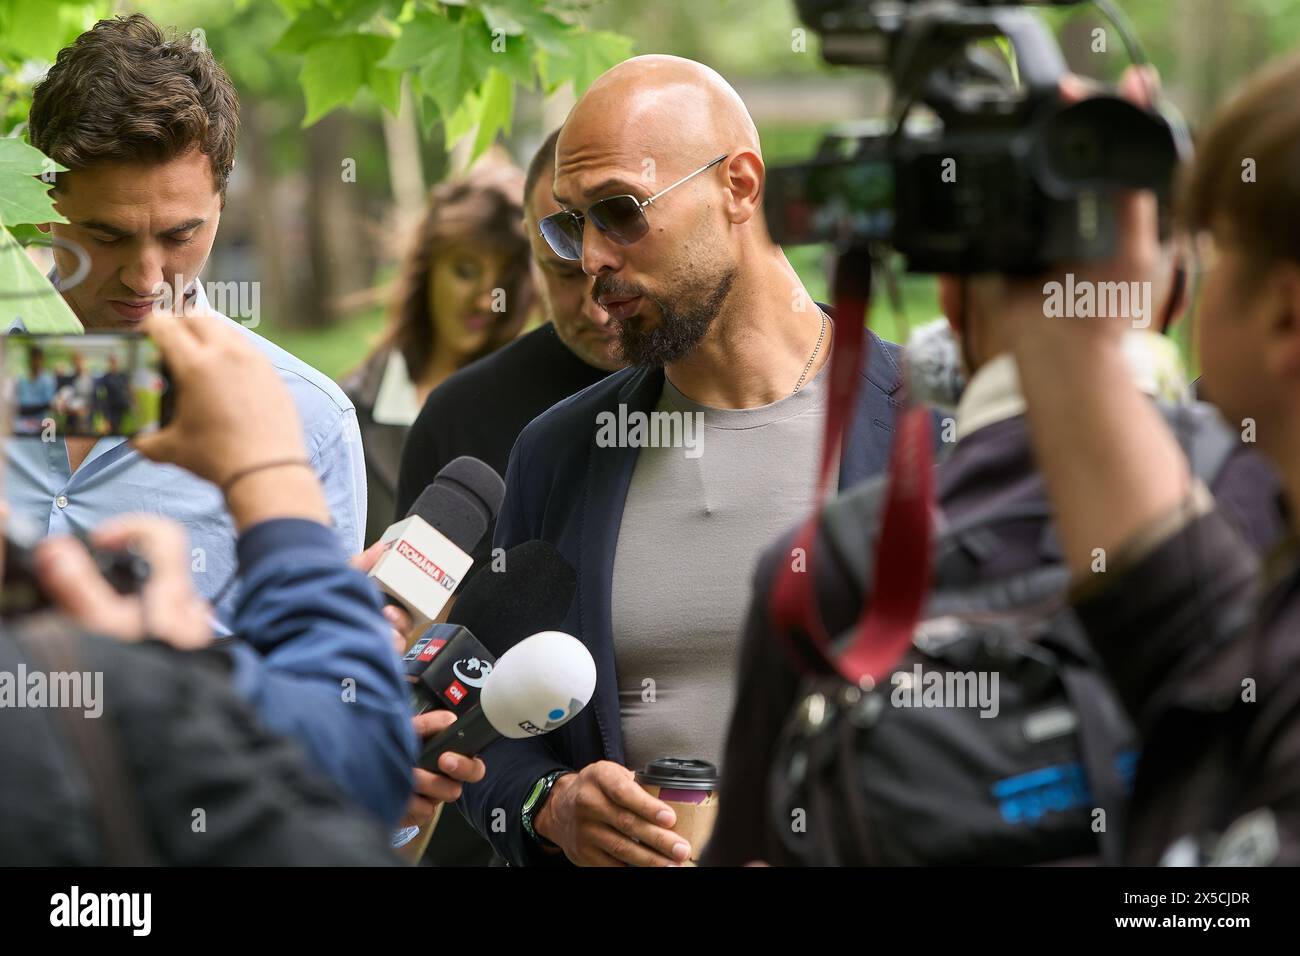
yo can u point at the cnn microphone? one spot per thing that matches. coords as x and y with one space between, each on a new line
445 669
538 685
427 553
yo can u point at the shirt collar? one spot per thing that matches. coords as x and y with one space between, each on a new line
993 393
396 402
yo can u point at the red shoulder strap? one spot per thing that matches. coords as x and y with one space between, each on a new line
901 571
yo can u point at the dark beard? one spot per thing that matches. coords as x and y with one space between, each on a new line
680 329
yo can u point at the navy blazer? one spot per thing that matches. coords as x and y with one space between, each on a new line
562 488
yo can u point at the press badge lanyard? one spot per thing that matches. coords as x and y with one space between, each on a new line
902 569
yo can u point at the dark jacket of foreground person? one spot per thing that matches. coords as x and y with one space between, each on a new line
180 761
1216 697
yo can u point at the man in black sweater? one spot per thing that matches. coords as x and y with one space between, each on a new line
481 409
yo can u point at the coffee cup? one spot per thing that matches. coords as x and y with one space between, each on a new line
690 788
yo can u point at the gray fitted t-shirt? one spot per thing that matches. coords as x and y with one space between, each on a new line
694 524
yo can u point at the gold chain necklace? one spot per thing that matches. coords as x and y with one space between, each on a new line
812 358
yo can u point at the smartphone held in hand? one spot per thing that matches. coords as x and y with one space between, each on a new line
97 385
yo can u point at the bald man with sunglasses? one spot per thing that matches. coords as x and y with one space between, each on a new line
662 483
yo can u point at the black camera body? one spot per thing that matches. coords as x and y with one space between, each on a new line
1003 176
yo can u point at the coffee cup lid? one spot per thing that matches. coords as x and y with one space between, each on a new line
679 773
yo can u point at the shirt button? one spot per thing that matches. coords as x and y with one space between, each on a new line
61 501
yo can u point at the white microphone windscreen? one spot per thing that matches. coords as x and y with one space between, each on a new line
538 685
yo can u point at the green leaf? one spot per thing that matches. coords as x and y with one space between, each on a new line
28 235
353 13
26 295
387 87
526 18
333 71
498 104
551 70
423 32
453 65
463 120
499 17
425 108
23 197
20 157
310 28
593 52
514 59
319 23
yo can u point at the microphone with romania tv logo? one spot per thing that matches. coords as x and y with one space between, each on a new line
427 553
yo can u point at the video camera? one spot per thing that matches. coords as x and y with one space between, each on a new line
1003 177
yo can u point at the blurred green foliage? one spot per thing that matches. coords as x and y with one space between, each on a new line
464 58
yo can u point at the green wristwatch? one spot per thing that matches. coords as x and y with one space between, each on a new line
533 803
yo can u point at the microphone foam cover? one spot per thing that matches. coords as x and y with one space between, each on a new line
476 479
461 502
539 684
532 593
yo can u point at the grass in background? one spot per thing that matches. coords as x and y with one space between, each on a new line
337 350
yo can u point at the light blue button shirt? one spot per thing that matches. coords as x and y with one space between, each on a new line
115 479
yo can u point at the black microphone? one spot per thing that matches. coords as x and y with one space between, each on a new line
531 592
427 553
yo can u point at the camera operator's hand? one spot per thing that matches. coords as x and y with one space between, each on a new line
600 816
167 608
235 423
431 789
1137 257
1110 463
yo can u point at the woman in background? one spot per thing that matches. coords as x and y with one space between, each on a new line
463 292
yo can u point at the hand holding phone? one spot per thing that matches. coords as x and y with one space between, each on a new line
74 386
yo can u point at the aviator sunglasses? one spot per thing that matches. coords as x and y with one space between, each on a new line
622 218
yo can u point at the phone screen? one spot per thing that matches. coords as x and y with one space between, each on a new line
101 384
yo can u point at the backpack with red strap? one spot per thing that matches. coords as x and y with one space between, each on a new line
996 737
902 749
